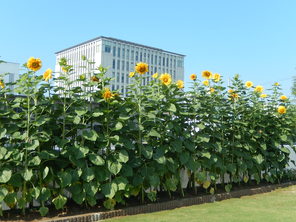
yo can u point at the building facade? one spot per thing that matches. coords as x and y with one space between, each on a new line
120 57
9 72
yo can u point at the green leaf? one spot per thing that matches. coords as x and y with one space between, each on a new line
285 150
96 114
35 161
284 138
45 172
172 108
5 175
147 152
153 132
3 152
259 158
27 174
228 188
41 120
3 193
33 145
109 189
81 110
206 184
171 184
35 192
2 132
122 156
96 159
59 202
121 182
43 211
204 138
65 179
88 174
76 120
159 157
154 180
118 126
184 157
206 154
90 135
114 167
109 204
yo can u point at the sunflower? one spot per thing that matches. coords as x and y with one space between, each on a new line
47 75
155 75
206 74
94 79
234 96
2 85
34 64
249 84
193 77
212 90
165 78
263 95
276 84
230 91
282 110
141 68
283 97
206 82
180 84
259 89
107 94
217 77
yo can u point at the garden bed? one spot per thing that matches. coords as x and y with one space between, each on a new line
76 213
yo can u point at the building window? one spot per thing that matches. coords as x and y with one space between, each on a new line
132 54
167 62
122 65
127 66
155 70
175 63
117 77
127 53
123 53
122 78
180 63
114 51
137 56
171 62
152 59
159 60
118 52
156 60
141 57
107 48
113 64
118 64
163 61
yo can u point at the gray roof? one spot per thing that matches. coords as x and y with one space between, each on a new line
119 40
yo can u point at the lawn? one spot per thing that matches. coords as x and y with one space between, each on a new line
279 205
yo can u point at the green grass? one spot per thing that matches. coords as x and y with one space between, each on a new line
279 205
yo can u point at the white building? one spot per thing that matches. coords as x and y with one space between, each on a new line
9 72
120 57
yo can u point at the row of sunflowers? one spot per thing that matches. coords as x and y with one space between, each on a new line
61 142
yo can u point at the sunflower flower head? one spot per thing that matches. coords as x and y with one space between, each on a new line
263 95
155 75
192 77
217 77
249 84
212 90
276 84
206 74
107 94
94 79
234 96
230 91
180 84
47 75
34 64
141 68
206 82
282 110
166 79
2 85
131 74
283 97
259 89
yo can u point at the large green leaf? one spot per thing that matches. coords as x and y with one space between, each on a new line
59 202
118 126
114 167
259 158
184 157
81 111
96 159
285 150
109 189
172 108
153 132
5 175
65 179
3 193
90 135
27 174
2 132
122 156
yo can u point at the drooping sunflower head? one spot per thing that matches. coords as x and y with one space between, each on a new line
259 89
234 96
282 110
165 79
206 82
249 84
141 68
217 77
131 74
180 84
263 95
94 79
206 74
283 97
155 75
107 94
192 77
34 64
47 75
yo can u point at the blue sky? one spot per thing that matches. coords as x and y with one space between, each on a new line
256 39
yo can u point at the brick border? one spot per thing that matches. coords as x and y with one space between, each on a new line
168 205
